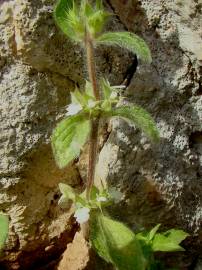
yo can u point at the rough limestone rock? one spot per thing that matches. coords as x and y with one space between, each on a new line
163 182
79 256
38 69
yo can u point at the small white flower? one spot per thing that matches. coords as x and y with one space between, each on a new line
82 215
91 104
73 109
113 95
115 194
101 199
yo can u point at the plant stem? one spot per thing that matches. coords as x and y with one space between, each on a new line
93 141
92 155
91 65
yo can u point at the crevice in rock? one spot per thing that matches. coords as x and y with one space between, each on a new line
194 263
50 71
130 72
199 91
195 143
45 257
134 63
62 76
106 127
116 15
195 139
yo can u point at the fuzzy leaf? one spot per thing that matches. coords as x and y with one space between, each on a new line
115 243
107 89
66 15
68 138
99 4
163 243
153 231
128 41
97 21
86 8
176 236
67 193
4 223
78 98
94 193
138 116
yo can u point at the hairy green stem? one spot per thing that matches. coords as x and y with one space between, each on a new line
93 141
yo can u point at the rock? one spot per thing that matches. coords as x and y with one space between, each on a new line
38 69
79 256
76 256
161 182
198 265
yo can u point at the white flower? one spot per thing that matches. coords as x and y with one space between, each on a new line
115 194
91 104
82 215
73 109
113 95
101 199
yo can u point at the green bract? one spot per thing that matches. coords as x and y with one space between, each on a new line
95 201
67 193
4 223
72 133
74 21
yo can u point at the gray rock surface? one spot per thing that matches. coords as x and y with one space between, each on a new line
163 182
38 68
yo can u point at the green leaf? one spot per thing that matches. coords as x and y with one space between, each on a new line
60 15
142 236
176 236
138 116
153 231
115 243
81 201
128 41
67 193
163 243
107 89
68 138
99 4
94 16
4 224
66 15
86 9
78 98
94 193
97 21
89 90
